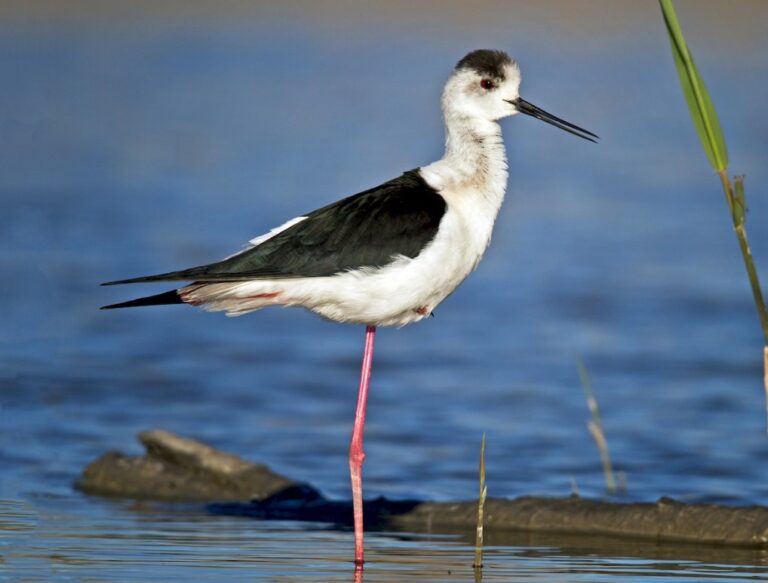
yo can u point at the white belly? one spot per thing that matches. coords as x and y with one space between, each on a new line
409 289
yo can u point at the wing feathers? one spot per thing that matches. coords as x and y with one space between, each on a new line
398 218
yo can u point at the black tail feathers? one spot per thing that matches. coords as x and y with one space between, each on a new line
169 297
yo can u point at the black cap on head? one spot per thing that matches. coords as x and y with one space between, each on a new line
486 62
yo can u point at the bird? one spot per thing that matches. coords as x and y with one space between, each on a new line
386 256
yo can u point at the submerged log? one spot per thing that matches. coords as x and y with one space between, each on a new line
177 469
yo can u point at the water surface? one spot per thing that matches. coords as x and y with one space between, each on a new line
143 146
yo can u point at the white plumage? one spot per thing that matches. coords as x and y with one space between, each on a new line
471 177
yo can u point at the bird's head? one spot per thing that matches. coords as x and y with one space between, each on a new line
485 85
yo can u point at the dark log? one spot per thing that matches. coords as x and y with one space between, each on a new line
176 469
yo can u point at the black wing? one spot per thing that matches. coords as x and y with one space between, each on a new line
400 217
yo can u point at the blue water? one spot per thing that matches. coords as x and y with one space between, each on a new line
130 149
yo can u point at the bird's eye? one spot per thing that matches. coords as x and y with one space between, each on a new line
487 84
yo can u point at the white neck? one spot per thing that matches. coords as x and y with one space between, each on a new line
474 162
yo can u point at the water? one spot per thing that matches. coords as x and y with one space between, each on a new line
139 145
129 542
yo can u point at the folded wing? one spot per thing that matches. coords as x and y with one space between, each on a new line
369 229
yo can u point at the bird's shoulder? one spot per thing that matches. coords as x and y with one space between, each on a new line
408 197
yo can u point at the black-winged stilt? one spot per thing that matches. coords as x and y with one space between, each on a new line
389 255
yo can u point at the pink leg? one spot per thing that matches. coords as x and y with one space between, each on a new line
356 454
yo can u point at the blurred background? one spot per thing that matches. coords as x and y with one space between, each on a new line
147 136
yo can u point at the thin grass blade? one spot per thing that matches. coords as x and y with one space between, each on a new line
478 564
695 91
595 426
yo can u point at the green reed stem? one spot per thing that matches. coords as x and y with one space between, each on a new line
737 206
708 127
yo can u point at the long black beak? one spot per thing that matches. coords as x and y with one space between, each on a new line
530 109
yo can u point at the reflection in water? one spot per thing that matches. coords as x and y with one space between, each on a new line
124 542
